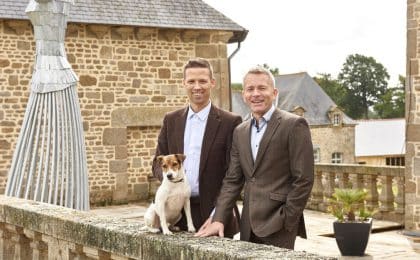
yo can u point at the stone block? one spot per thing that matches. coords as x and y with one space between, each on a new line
173 55
141 190
114 136
121 152
93 95
164 73
413 133
121 187
4 63
159 99
134 51
107 97
4 145
125 66
105 52
136 83
155 63
136 162
87 80
13 80
118 166
139 116
206 51
23 45
111 78
416 168
138 99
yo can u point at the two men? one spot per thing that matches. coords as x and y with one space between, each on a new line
272 156
203 133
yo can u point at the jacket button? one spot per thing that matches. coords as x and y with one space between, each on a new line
253 179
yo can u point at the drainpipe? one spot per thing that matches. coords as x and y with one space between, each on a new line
230 78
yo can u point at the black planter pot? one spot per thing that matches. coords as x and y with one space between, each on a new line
352 237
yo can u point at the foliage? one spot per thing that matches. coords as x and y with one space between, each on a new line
332 87
275 71
392 103
365 81
348 205
236 86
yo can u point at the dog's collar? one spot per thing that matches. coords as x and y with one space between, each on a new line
181 180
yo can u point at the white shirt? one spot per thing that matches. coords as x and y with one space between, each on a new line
193 140
258 130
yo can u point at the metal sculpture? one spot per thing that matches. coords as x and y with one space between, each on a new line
49 163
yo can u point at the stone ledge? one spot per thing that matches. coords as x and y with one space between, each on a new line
124 238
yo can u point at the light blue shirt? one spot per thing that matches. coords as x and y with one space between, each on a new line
193 140
258 130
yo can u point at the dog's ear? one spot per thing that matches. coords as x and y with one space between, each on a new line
160 159
180 157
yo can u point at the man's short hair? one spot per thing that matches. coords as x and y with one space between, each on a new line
199 63
260 70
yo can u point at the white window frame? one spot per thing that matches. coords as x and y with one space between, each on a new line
337 157
317 154
336 119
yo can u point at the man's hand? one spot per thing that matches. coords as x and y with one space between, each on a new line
205 224
215 228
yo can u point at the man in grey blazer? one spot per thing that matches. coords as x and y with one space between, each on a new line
272 156
203 133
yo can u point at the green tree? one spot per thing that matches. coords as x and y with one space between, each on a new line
275 71
332 87
365 81
392 103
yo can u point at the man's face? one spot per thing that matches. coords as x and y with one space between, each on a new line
258 93
198 84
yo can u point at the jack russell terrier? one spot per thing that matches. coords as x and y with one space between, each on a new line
171 197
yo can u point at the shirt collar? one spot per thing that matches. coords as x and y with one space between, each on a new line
267 114
202 114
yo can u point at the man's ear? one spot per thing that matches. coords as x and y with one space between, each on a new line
180 157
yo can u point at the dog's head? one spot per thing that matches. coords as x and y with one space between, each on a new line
172 168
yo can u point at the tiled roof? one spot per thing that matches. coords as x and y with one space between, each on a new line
182 14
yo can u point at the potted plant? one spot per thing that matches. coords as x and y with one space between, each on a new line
354 223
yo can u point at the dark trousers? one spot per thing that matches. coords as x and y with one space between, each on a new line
198 220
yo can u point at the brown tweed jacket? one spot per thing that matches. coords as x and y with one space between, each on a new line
215 154
277 184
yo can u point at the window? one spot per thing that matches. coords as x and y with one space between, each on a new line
336 119
317 154
337 158
395 161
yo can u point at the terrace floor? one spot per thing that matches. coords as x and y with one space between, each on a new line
382 244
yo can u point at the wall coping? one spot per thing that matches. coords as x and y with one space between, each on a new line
123 237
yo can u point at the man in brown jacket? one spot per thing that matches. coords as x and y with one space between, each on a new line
203 133
272 156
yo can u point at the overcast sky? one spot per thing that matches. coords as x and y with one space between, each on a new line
316 36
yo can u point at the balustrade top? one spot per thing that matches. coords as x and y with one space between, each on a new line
394 171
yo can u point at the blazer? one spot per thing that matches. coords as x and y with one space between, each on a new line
215 154
279 182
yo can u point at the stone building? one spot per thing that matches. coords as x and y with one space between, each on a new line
331 129
129 57
412 158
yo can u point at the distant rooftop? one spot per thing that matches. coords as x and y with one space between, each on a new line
298 89
380 137
181 14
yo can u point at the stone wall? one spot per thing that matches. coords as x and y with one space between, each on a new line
412 160
129 77
32 230
331 139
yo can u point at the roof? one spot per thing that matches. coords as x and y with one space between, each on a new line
380 137
298 89
181 14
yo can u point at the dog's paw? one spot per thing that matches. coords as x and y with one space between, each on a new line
168 232
154 230
191 229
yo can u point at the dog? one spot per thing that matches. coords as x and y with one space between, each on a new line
171 197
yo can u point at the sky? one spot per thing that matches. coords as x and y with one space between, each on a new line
316 36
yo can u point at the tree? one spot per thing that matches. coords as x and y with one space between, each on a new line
332 87
365 81
392 103
274 71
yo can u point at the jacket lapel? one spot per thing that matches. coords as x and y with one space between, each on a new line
246 136
213 122
271 129
180 130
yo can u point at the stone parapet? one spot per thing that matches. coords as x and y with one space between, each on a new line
32 230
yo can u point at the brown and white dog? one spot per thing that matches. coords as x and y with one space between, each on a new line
172 196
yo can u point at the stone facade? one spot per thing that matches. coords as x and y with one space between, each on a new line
334 139
129 78
412 160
